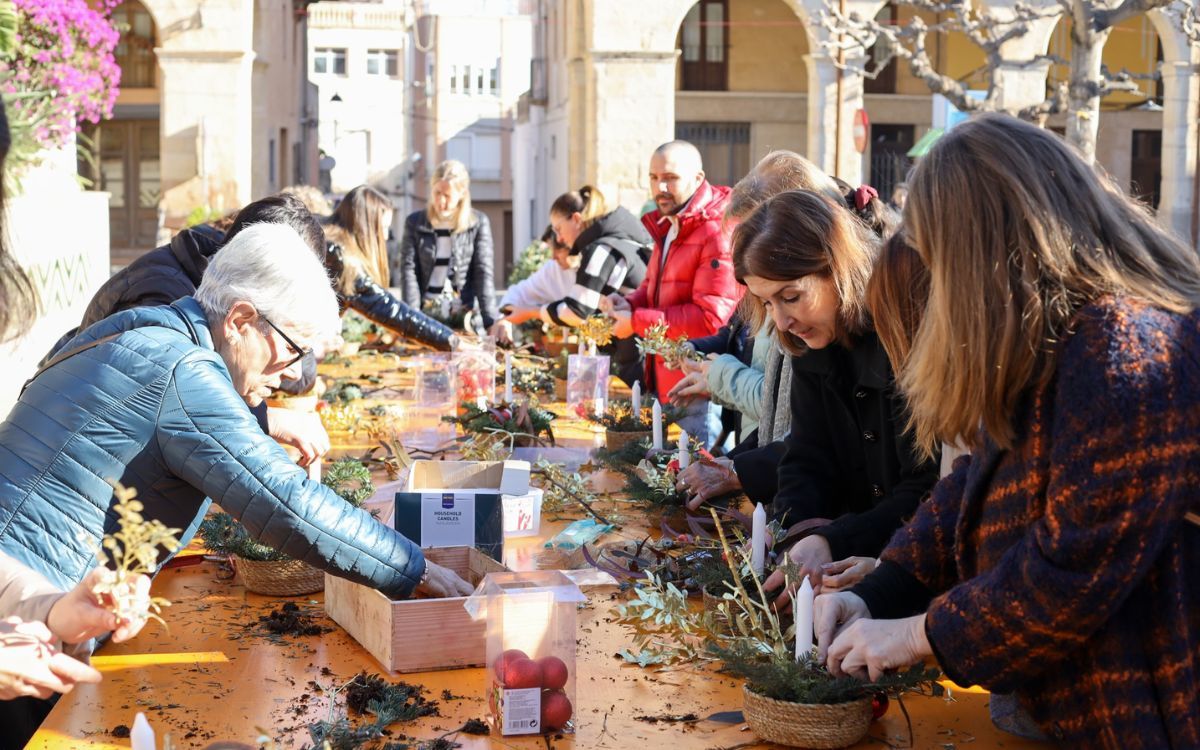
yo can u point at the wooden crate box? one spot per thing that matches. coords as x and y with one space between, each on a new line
416 635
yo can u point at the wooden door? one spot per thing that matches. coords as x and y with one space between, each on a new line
128 169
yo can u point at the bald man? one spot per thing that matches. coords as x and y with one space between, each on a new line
689 283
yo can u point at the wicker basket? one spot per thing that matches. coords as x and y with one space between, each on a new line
280 578
615 441
808 725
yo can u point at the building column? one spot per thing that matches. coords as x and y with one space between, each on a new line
206 131
630 117
830 141
1181 102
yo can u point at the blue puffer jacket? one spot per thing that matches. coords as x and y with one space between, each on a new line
156 409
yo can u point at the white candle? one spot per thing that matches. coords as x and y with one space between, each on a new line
684 456
141 737
804 618
506 327
637 399
591 348
657 414
481 402
581 345
758 541
314 469
508 395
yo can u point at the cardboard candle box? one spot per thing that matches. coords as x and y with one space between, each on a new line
459 503
531 631
415 635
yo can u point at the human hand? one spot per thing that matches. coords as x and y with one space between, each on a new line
301 430
81 614
868 648
443 582
809 554
845 573
501 330
623 327
831 614
614 303
694 384
30 665
706 479
519 315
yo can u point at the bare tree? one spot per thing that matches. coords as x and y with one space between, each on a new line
1079 96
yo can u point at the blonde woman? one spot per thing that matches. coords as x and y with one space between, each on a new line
358 263
1061 343
447 248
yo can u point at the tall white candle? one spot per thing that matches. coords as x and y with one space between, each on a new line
804 618
758 540
656 412
581 346
637 399
508 394
684 455
141 737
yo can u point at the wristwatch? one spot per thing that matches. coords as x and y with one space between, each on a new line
424 575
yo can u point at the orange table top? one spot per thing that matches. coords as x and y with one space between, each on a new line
216 675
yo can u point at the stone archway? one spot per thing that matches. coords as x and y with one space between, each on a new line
1180 132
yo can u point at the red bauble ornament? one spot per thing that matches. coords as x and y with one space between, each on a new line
556 710
506 658
554 672
879 705
522 673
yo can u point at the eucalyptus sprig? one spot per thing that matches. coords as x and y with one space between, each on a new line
667 629
131 552
562 488
674 351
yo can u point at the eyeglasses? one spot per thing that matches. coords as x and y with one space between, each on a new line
295 347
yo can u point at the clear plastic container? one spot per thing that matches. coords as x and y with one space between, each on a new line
587 384
531 631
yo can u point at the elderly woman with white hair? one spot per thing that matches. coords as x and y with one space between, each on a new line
158 397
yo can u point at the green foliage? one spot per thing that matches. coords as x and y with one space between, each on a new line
350 479
779 676
356 329
624 458
369 696
653 487
526 422
343 392
224 535
202 215
619 417
531 259
667 630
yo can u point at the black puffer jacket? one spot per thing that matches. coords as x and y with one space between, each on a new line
159 277
380 306
470 263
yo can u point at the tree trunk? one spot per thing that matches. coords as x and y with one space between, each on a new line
1086 83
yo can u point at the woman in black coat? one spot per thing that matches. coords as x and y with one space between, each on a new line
357 262
806 261
446 251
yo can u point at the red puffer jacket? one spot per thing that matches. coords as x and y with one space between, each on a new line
695 293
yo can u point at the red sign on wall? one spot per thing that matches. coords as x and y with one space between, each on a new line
861 130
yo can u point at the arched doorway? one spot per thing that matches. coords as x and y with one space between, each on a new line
125 158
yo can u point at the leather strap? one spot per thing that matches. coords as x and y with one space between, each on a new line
67 355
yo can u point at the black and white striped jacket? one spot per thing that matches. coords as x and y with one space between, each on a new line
613 254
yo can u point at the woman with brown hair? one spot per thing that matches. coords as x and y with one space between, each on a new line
612 247
806 260
357 262
446 250
1061 343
